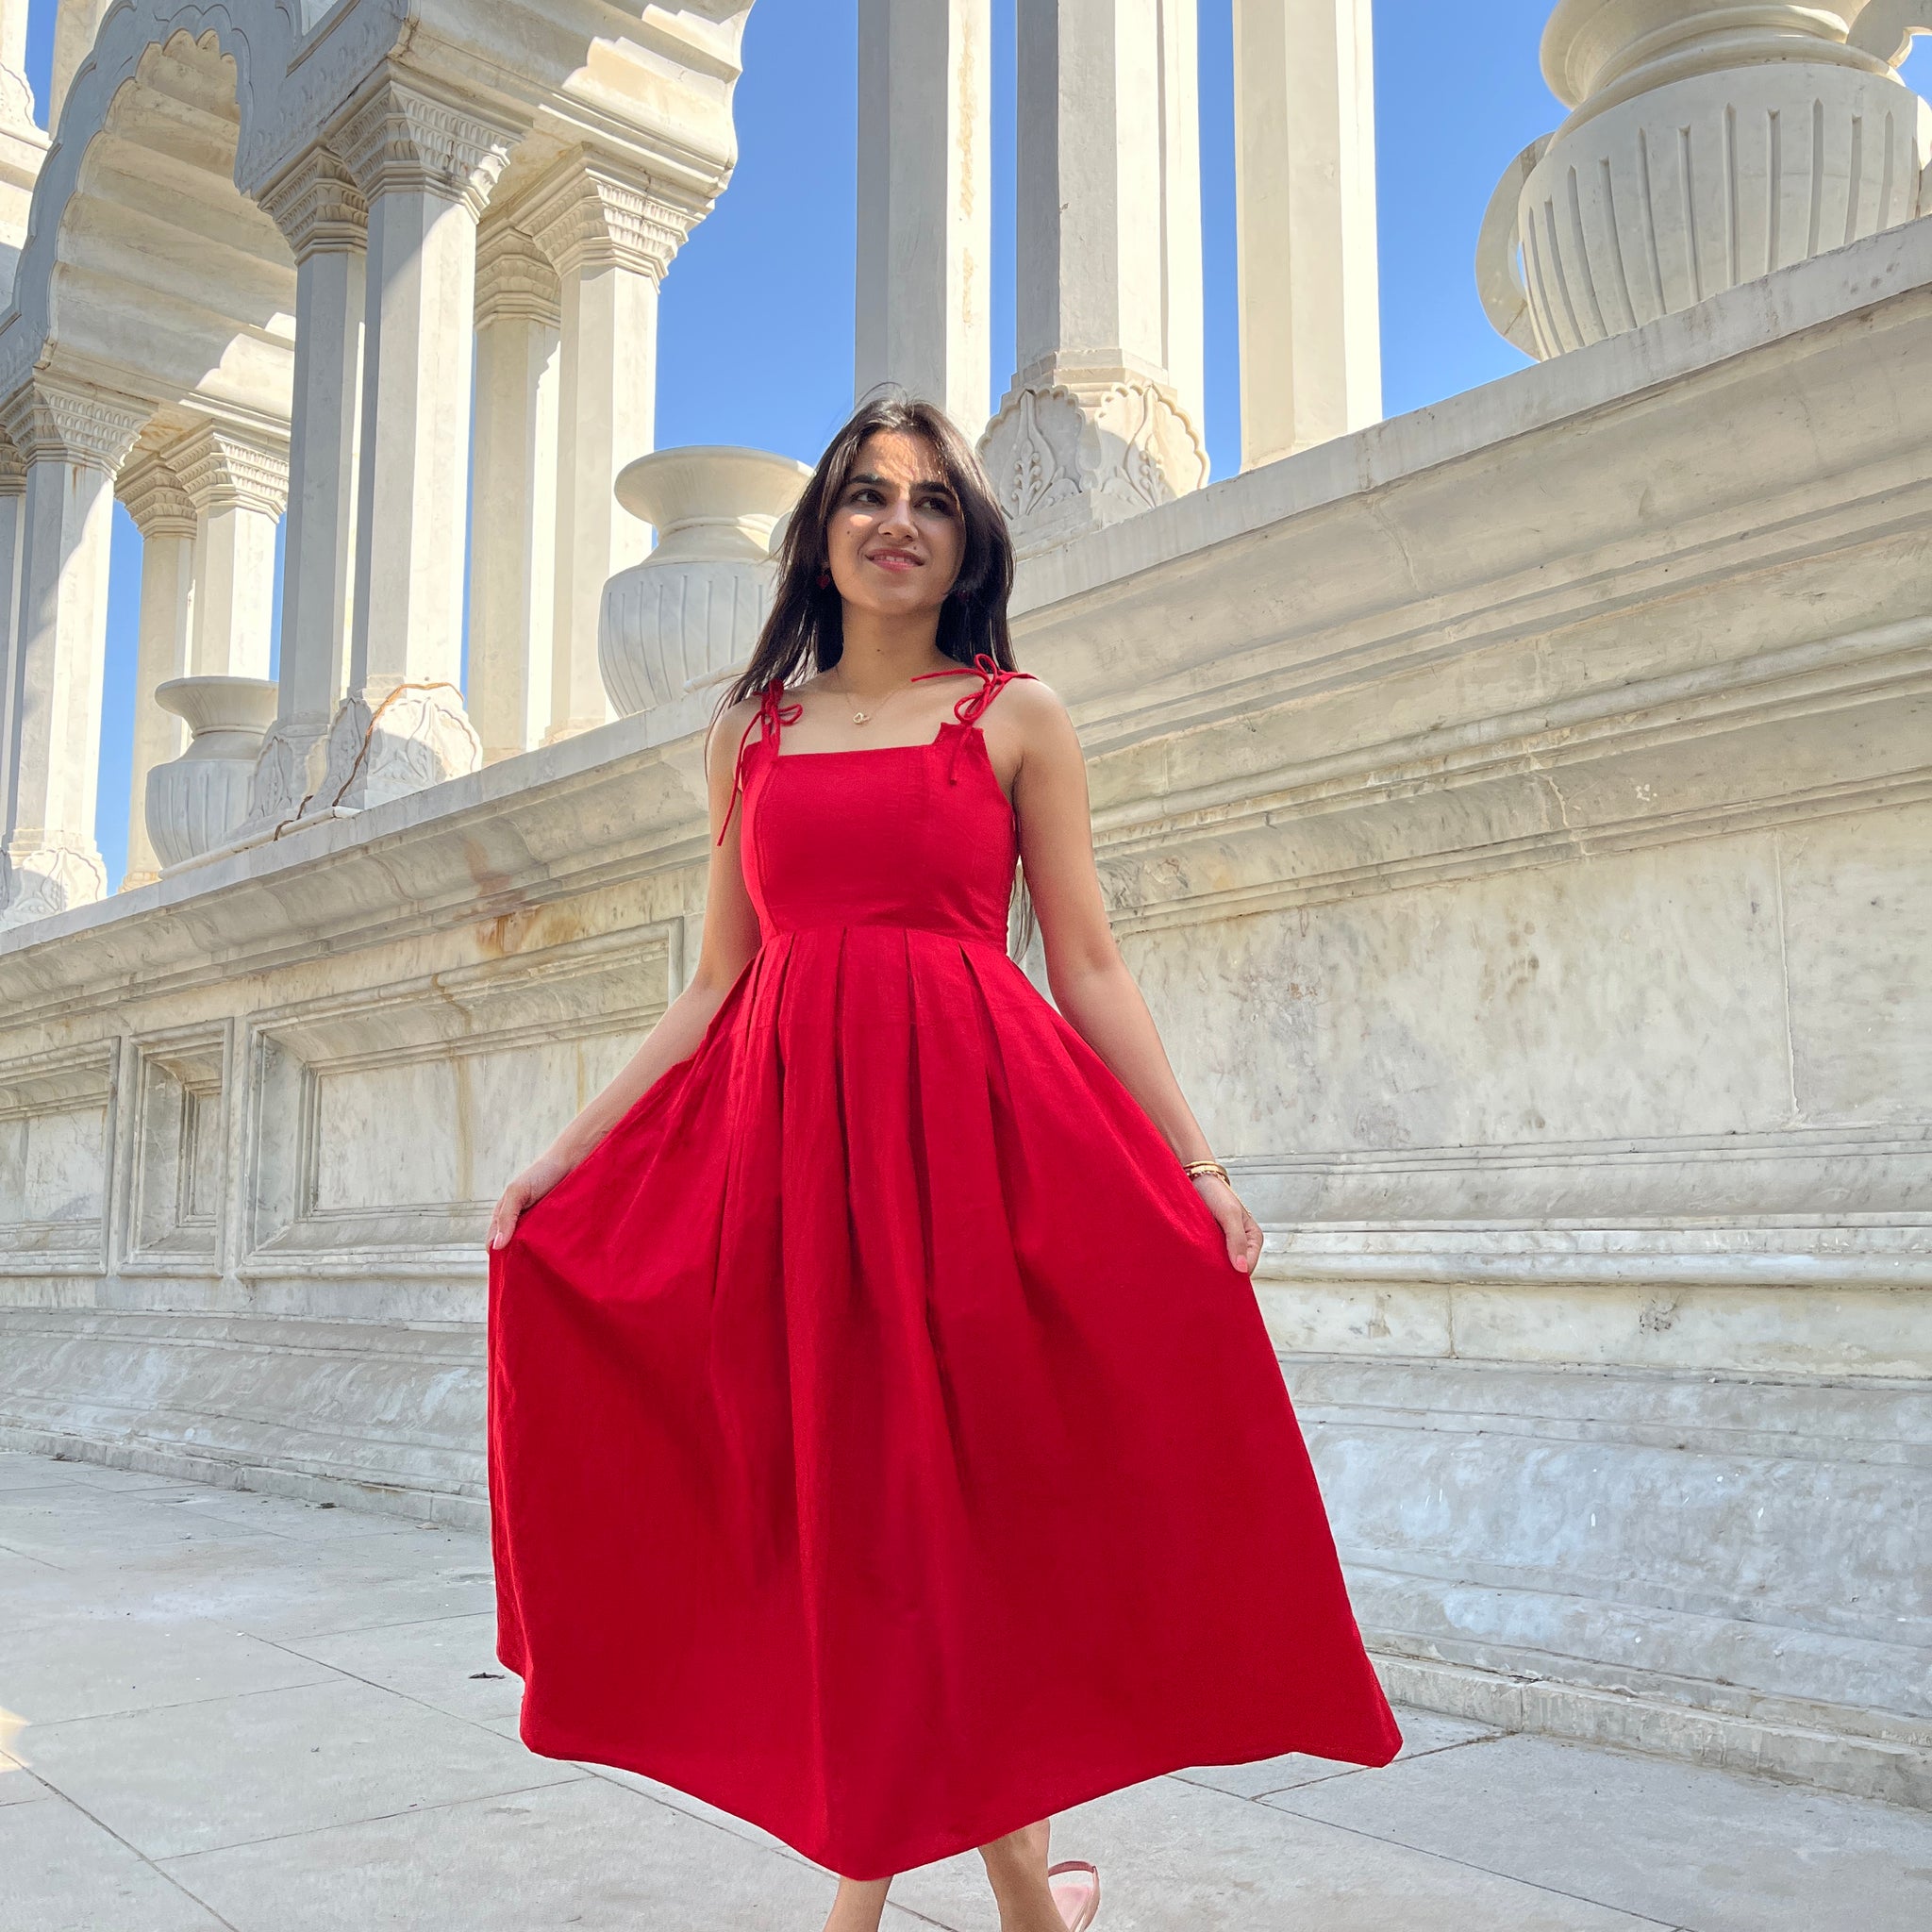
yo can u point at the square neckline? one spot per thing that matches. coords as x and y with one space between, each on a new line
847 751
782 757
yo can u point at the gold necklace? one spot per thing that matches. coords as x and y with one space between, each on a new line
866 717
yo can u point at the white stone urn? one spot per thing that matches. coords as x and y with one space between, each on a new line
690 613
1711 142
196 801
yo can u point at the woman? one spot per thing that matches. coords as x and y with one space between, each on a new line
885 1442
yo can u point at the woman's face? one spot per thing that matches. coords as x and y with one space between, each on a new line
895 536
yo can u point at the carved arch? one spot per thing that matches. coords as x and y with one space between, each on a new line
145 266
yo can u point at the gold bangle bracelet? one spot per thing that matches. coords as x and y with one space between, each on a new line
1193 1168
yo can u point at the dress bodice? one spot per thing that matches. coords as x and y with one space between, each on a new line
916 834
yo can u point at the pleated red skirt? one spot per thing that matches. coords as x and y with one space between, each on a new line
882 1446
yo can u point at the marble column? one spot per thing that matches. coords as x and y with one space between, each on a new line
238 485
611 236
23 144
165 517
1305 212
324 219
925 203
75 27
72 441
514 492
12 525
1103 419
16 91
426 170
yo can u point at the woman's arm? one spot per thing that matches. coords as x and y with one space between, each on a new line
1091 983
731 936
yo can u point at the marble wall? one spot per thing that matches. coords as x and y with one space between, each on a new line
1517 814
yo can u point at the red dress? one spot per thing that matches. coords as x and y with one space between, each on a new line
882 1446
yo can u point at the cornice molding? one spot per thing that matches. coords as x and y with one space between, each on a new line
588 213
152 492
402 139
515 282
318 207
220 470
47 421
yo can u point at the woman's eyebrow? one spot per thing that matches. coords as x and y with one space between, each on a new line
924 483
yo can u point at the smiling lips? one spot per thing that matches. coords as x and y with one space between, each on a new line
893 559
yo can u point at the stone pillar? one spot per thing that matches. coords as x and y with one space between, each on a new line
72 441
325 223
23 144
166 519
238 485
426 170
12 512
926 202
1305 212
611 236
75 27
514 492
1103 416
16 91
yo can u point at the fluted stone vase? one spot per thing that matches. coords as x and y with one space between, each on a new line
1709 144
688 614
196 802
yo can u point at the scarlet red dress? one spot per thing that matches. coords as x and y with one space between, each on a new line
882 1446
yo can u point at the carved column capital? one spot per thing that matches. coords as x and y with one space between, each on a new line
317 206
392 738
12 470
148 485
49 420
221 469
1070 455
45 871
590 213
402 137
515 282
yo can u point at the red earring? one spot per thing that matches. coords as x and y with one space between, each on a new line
824 578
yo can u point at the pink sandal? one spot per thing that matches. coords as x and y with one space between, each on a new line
1082 1891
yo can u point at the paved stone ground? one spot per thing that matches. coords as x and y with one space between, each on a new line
245 1713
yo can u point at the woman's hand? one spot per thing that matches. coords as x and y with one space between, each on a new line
525 1191
1237 1224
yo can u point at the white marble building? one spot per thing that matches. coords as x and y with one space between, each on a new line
1517 812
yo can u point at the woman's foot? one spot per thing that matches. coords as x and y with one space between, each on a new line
1077 1891
1016 1864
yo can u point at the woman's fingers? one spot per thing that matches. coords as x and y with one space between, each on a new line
1251 1244
1244 1237
1238 1226
502 1224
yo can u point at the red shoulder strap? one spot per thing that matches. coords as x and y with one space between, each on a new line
772 715
993 677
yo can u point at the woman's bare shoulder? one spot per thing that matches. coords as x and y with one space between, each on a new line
1036 709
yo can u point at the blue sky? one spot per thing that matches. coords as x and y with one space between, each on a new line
755 331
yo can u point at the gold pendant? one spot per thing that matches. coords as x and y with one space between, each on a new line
860 717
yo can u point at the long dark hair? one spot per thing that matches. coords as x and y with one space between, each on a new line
805 628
